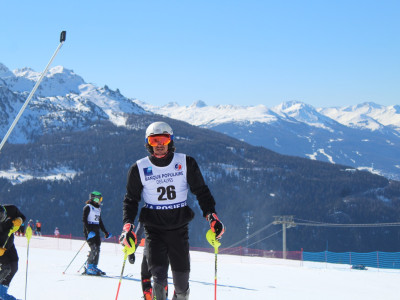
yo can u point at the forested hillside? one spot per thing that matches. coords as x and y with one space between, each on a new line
245 181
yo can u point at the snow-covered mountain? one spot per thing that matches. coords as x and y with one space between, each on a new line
81 137
63 101
366 136
367 115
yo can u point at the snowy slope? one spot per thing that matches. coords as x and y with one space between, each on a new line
238 277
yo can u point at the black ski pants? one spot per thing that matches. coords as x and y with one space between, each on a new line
8 265
94 255
145 272
165 247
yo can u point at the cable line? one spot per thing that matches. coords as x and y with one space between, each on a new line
250 236
271 235
349 225
322 224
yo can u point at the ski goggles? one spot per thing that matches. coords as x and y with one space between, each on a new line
98 199
160 139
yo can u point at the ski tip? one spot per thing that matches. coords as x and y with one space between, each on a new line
63 35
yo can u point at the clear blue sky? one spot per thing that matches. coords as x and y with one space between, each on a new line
324 53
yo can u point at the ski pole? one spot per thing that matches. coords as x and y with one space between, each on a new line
83 265
12 230
122 271
210 236
28 234
9 234
74 257
62 40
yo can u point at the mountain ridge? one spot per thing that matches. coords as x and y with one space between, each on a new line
347 135
354 135
366 135
71 144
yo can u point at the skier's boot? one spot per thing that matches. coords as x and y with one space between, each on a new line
4 293
147 289
148 294
91 270
100 272
182 296
166 291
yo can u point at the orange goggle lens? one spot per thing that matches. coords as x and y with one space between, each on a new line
155 140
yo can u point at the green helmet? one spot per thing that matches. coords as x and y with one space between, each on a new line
96 197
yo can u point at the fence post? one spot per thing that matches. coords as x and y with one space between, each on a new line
301 257
377 259
326 260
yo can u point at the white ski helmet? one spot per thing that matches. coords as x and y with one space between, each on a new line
159 128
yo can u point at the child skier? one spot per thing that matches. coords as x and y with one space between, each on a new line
92 224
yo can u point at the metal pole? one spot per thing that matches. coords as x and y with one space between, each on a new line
284 239
287 222
62 40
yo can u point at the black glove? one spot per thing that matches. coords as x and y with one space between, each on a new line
216 225
131 258
128 236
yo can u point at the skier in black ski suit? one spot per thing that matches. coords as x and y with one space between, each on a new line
163 180
92 224
10 221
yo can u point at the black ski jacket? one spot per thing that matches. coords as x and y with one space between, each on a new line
171 218
12 213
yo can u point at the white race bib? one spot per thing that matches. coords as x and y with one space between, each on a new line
164 187
94 214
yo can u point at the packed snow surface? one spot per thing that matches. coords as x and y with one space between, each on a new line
239 277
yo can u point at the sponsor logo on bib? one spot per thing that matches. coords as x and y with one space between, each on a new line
148 171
